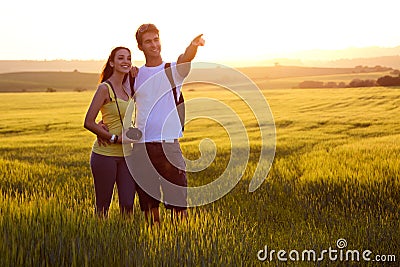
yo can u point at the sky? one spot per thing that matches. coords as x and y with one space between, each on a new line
233 30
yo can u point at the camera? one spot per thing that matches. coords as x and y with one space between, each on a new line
134 133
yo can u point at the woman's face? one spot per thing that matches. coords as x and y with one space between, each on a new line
122 61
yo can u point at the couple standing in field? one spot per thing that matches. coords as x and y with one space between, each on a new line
156 159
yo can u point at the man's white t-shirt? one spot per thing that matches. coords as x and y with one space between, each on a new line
156 114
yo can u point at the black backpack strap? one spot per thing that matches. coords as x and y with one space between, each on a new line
116 101
178 102
132 84
168 71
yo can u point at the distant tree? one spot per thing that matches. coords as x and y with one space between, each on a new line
362 83
355 83
395 72
79 89
379 68
359 68
311 84
369 83
331 85
50 90
388 81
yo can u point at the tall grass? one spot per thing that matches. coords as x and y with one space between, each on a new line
336 174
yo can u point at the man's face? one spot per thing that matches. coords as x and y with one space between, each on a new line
151 45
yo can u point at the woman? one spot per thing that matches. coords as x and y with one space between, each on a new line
107 162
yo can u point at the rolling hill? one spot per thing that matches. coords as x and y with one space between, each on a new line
41 81
269 77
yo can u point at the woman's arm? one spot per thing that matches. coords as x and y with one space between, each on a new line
99 99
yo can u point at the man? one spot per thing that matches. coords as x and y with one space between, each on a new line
157 159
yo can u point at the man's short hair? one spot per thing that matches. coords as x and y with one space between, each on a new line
143 29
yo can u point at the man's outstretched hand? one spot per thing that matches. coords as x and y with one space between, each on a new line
188 56
198 41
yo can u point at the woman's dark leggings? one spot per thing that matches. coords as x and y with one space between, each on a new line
107 171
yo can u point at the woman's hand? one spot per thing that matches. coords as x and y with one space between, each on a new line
134 71
103 141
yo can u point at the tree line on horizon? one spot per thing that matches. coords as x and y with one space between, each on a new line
386 80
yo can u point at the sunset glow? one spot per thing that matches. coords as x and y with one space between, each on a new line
248 30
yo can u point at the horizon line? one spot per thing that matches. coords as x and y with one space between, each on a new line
294 55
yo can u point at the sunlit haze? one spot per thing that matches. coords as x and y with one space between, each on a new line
234 31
